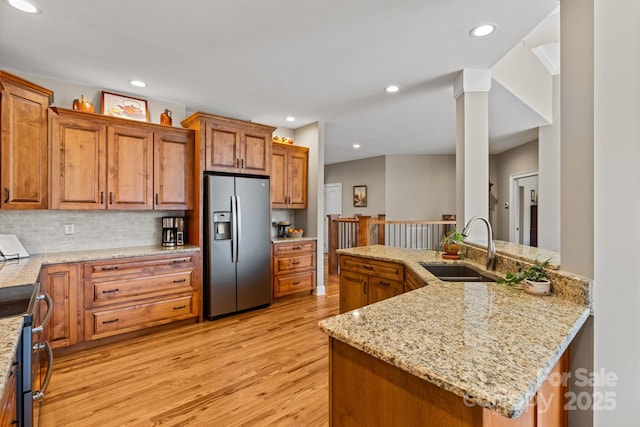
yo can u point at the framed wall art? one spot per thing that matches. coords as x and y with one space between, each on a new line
360 196
124 106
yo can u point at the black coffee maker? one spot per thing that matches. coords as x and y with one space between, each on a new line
282 228
172 231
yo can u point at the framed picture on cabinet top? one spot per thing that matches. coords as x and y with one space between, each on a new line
124 106
360 196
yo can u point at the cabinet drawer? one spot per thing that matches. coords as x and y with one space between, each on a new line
114 291
295 283
104 323
388 270
294 263
136 265
294 247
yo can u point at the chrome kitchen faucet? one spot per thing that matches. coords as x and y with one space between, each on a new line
491 247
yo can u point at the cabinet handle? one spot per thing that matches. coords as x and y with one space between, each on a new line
384 283
102 197
6 195
104 322
242 163
115 267
175 261
295 283
180 307
238 162
111 291
364 287
180 281
157 199
295 262
296 248
110 197
367 267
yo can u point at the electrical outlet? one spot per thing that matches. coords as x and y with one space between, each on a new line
69 228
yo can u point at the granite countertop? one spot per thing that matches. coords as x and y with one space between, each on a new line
25 271
489 343
277 240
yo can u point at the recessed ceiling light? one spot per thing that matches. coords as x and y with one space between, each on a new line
483 30
290 119
391 89
137 83
24 6
356 146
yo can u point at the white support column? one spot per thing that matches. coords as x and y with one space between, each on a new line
471 91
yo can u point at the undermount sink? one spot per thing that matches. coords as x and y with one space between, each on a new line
16 300
456 273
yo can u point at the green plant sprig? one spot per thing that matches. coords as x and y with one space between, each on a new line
536 273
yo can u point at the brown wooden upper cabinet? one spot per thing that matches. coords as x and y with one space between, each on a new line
23 143
101 162
289 165
230 145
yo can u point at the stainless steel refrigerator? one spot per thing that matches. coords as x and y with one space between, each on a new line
237 244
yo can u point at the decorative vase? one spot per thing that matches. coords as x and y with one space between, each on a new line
165 118
83 104
537 288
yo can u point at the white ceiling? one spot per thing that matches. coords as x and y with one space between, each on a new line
264 60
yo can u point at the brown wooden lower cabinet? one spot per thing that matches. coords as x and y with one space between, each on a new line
365 281
294 267
61 282
8 409
103 298
364 391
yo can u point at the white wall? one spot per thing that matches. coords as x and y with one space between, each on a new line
311 219
420 186
617 206
66 92
549 177
522 74
369 172
512 162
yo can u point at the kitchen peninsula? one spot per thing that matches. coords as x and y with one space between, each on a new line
469 354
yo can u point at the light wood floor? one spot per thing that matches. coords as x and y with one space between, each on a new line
265 367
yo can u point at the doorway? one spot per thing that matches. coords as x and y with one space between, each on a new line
523 200
332 205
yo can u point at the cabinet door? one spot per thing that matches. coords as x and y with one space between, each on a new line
256 152
381 289
353 290
298 179
279 178
173 170
222 148
130 166
60 281
78 163
8 407
23 120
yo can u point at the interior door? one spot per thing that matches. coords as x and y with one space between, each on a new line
332 205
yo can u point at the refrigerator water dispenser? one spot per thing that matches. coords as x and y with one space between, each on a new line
221 225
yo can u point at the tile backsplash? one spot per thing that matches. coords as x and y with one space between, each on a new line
44 231
281 215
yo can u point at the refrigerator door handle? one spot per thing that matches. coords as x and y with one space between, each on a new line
239 221
234 230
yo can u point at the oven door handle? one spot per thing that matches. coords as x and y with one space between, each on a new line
44 296
39 395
